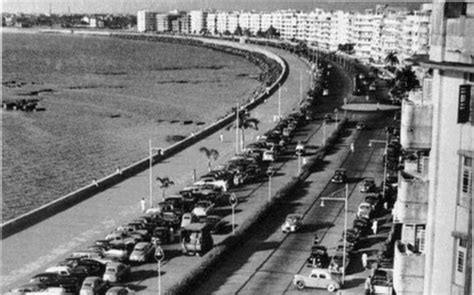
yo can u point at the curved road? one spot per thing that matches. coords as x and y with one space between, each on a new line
44 244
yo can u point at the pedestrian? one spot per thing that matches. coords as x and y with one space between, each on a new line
94 182
221 137
352 147
142 204
364 260
368 285
374 226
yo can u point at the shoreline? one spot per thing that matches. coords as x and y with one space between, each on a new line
112 177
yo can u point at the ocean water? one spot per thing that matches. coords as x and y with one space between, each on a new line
103 100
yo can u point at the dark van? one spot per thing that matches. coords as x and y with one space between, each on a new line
196 239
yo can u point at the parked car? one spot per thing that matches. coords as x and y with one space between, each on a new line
120 290
93 286
202 208
119 252
361 125
292 223
142 252
50 279
336 265
364 210
215 223
116 272
318 258
368 185
196 239
28 288
340 176
318 278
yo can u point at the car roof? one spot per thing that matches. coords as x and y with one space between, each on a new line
294 215
195 226
92 279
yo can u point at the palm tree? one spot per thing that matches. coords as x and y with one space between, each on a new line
165 182
211 154
392 59
244 121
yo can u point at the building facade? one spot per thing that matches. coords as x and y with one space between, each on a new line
146 21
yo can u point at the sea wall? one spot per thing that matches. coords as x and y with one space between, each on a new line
28 219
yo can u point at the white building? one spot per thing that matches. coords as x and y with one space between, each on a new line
434 203
222 22
198 21
232 22
448 261
266 21
244 20
255 22
146 21
415 35
211 22
289 25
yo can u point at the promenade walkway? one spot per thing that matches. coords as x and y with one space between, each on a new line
42 245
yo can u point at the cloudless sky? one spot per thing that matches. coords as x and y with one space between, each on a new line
132 6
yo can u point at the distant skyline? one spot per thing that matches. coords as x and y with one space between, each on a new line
132 6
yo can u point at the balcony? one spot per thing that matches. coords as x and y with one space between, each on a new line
412 200
408 270
416 122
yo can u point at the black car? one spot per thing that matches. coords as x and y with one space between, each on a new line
161 235
318 258
340 176
89 266
216 224
57 280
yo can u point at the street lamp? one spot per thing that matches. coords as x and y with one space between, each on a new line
270 173
151 149
372 141
345 200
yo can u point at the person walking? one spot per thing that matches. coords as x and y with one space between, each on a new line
364 260
352 147
374 226
221 137
368 286
142 204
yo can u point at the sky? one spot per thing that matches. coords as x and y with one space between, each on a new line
132 6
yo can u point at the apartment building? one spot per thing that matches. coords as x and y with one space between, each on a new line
233 22
146 21
448 261
415 33
211 22
362 32
197 21
434 205
288 27
255 22
266 21
163 22
244 20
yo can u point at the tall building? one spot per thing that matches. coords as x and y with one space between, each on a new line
163 22
434 204
448 261
146 21
198 21
211 23
415 33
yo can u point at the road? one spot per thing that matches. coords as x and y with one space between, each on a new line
44 244
267 262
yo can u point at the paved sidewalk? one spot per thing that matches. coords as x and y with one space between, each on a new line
43 244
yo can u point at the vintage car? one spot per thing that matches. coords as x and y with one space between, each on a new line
338 263
361 125
93 286
162 235
120 290
364 210
28 288
368 185
119 252
50 279
196 239
202 208
340 176
215 223
292 223
142 252
116 272
318 258
318 278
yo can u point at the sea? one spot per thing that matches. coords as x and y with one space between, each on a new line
100 100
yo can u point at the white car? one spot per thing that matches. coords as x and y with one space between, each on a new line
142 252
364 210
202 208
116 272
212 181
292 223
318 278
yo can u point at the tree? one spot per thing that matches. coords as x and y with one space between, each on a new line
260 34
238 31
211 155
271 32
165 182
244 121
392 59
405 81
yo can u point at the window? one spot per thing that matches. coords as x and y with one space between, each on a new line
460 261
454 9
414 237
466 181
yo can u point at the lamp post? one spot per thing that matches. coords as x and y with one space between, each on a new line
233 202
270 173
159 256
345 200
151 149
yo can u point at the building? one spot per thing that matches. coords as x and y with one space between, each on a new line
146 21
163 22
198 21
415 33
448 261
434 204
211 23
